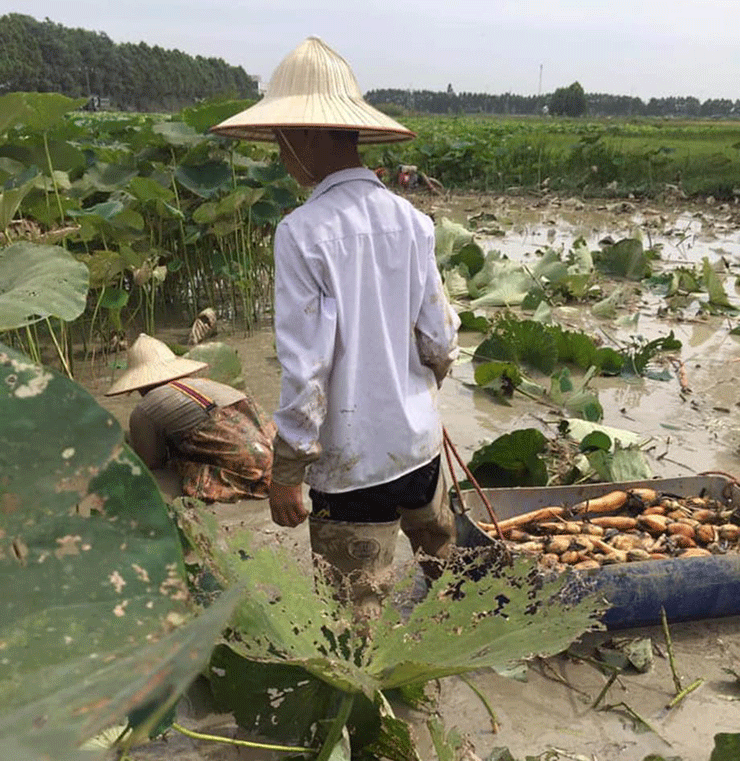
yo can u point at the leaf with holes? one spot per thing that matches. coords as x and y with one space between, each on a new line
91 568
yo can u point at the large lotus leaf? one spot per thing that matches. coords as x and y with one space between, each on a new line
59 181
177 133
449 237
713 284
579 429
205 180
286 617
625 258
37 111
12 107
202 117
10 168
264 213
223 361
550 267
90 563
105 267
63 155
109 177
508 285
10 201
148 189
75 700
267 173
456 282
238 198
282 197
38 281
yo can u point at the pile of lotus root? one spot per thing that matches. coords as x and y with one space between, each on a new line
620 527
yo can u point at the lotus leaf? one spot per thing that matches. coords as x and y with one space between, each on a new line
205 180
34 110
202 117
91 569
287 617
500 282
146 189
177 133
717 295
449 237
109 177
223 361
10 201
38 281
625 258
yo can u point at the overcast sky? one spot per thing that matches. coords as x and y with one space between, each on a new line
645 48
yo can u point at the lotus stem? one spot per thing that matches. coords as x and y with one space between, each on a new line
485 701
244 743
669 647
681 695
335 731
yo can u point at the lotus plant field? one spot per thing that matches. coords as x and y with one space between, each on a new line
162 215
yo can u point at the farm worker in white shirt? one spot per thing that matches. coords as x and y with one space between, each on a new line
364 332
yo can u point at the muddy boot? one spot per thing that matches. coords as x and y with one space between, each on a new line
431 529
361 560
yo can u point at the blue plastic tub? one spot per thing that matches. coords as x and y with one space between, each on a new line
688 588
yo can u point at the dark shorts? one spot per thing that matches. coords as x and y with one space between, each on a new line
379 504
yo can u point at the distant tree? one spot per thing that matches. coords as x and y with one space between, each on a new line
569 101
44 56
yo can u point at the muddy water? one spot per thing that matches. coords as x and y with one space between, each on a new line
685 433
687 429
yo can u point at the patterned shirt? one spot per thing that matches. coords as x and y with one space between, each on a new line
364 334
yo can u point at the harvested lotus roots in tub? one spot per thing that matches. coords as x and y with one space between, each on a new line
622 526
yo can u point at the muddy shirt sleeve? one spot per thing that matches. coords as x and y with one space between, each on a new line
147 439
305 330
437 324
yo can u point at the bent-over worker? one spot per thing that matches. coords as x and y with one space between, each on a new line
216 436
363 330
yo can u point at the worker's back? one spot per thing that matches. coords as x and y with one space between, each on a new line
361 262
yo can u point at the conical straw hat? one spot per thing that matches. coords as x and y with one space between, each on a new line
313 87
151 363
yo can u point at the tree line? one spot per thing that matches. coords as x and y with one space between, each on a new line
568 101
42 56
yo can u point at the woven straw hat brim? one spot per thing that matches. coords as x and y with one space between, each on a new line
154 373
313 87
259 122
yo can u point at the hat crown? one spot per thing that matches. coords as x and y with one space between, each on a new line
146 350
313 68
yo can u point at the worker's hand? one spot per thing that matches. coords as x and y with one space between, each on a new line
286 505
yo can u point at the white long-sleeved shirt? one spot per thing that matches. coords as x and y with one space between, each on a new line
363 333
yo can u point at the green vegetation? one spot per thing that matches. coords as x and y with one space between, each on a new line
41 56
161 215
592 157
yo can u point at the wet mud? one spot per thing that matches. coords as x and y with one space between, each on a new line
688 430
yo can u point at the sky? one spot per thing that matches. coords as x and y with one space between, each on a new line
646 48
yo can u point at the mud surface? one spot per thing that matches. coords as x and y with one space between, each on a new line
689 432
